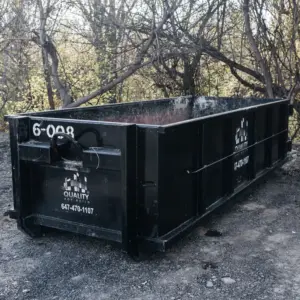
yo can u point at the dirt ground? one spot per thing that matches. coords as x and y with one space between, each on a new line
257 256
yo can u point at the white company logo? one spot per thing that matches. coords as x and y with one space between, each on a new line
241 136
241 142
76 189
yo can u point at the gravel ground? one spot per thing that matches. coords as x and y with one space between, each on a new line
257 256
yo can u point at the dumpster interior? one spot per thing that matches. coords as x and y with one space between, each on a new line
157 112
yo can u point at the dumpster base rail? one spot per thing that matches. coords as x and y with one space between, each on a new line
165 242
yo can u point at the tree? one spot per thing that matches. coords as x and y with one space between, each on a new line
66 53
139 46
13 52
181 73
269 62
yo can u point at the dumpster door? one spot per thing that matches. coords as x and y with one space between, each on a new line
77 176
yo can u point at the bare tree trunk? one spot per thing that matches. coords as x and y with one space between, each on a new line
63 92
48 79
48 48
262 63
45 58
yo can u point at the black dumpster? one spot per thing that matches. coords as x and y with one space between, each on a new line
141 173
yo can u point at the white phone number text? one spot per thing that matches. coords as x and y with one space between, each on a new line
77 208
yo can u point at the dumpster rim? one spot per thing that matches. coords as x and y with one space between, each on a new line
41 113
55 111
226 113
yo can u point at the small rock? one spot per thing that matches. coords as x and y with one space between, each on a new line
228 280
213 233
294 232
26 291
209 284
211 265
78 277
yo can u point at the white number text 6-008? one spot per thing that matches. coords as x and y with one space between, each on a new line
50 130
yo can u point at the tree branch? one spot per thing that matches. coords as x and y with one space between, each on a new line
246 83
50 49
137 64
257 54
